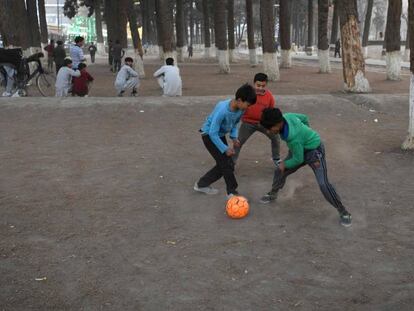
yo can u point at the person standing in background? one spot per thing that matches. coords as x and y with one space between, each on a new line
59 55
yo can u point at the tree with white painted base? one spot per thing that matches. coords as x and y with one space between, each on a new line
393 40
270 63
323 45
220 35
250 33
353 62
285 33
409 141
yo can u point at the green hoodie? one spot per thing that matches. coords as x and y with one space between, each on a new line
300 137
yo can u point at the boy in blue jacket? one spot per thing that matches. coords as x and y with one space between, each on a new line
224 120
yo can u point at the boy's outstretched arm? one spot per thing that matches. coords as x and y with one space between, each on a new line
297 158
214 132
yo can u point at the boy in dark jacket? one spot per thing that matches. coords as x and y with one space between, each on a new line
59 55
305 148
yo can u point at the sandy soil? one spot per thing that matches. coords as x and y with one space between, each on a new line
98 211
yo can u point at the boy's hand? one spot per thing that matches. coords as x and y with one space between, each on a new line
230 152
236 143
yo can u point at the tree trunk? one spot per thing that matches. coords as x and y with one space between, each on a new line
335 23
116 20
191 23
393 40
270 64
230 28
407 44
409 141
285 39
179 26
206 20
309 48
367 27
250 33
164 13
43 23
220 35
33 22
158 21
14 25
136 40
98 25
323 43
352 58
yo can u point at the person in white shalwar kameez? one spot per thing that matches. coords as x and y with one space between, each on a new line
169 79
64 78
127 78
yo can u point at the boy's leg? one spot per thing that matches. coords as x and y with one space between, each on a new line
224 167
320 170
275 140
160 81
246 130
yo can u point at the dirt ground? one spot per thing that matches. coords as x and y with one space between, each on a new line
201 78
98 211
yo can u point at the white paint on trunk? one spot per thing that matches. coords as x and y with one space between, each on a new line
407 55
232 56
324 63
393 60
101 49
180 54
361 84
207 52
286 61
223 60
139 64
253 57
271 66
409 141
365 51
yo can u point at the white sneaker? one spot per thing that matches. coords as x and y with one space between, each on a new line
6 94
206 190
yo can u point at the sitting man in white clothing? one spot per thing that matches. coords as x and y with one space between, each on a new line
169 79
127 78
64 78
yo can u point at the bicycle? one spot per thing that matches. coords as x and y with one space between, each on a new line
45 81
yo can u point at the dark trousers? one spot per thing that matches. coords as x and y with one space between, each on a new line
116 64
92 57
338 52
316 160
224 167
110 59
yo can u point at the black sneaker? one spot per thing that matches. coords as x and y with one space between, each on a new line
268 197
345 219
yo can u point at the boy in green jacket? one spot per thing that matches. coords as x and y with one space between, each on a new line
305 148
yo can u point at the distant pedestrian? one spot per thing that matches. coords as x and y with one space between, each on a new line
76 52
338 48
64 78
49 49
110 56
117 54
92 51
127 78
190 51
59 55
81 84
169 79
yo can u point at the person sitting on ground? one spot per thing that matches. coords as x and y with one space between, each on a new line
64 78
81 84
76 52
59 55
169 78
127 78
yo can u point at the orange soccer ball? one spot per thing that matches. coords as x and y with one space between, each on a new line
237 207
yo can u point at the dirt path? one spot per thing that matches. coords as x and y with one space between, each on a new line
98 211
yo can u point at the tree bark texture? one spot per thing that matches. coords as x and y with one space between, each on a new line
352 57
